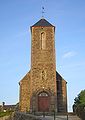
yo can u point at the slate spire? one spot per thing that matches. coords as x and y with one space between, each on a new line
43 23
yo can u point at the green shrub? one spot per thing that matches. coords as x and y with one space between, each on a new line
7 113
79 105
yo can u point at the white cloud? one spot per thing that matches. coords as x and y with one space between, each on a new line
69 54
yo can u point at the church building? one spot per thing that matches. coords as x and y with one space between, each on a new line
43 89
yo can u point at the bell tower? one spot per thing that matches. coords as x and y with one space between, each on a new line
43 91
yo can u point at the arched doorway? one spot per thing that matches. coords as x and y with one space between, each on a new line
43 102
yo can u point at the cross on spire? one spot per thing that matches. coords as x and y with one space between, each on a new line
43 12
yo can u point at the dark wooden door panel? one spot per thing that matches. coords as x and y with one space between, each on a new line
43 103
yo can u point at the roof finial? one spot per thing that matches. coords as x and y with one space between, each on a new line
43 12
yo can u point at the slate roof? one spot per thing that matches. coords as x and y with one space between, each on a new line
9 107
43 23
59 77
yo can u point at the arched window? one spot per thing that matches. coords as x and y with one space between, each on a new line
43 40
43 94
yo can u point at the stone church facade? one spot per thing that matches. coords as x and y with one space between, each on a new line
43 89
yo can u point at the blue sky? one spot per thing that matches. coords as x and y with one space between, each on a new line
16 17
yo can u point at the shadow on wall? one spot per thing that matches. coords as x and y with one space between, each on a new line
61 94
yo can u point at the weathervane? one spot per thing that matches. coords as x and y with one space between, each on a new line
43 12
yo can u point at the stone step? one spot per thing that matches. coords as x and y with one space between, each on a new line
74 117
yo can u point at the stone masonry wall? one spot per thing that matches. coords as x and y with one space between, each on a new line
24 116
64 94
43 66
24 104
61 94
43 60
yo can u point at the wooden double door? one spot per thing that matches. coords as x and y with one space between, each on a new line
43 102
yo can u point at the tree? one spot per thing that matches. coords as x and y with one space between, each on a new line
79 105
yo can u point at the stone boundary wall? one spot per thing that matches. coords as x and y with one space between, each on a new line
24 116
4 118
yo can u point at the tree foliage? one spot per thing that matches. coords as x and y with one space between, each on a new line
79 105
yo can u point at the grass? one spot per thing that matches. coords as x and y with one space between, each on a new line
7 113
